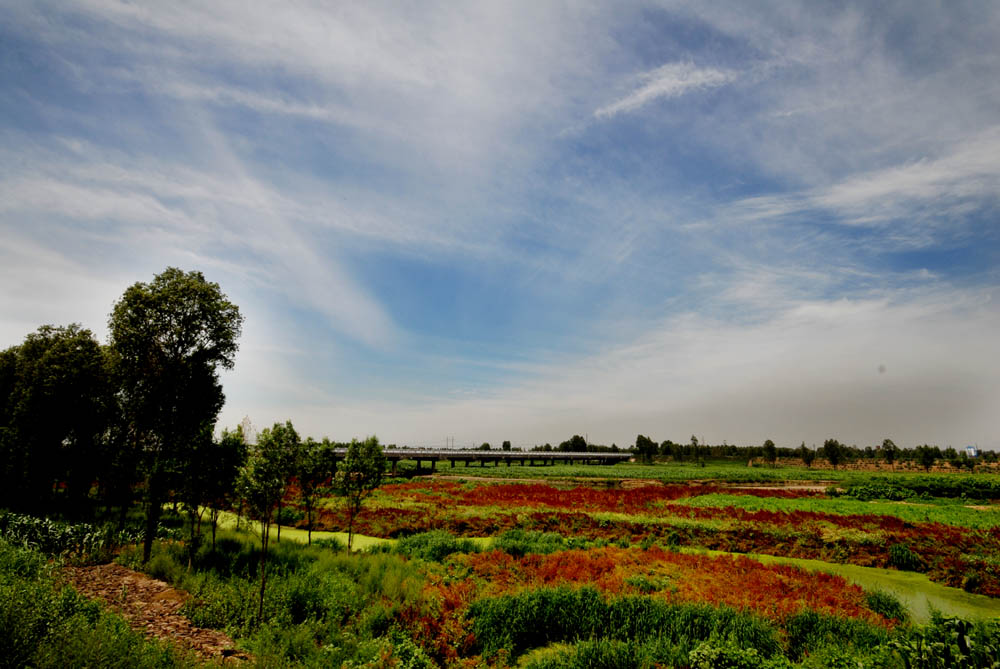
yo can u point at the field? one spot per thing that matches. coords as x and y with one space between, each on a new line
625 565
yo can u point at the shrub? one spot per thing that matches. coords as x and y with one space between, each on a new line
886 605
901 557
535 618
434 546
519 543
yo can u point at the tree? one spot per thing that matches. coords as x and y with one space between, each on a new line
927 456
312 471
833 451
890 452
228 456
575 444
261 483
169 337
807 455
770 452
55 395
358 475
485 446
645 448
506 445
287 450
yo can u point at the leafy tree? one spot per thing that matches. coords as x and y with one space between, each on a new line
506 445
228 456
358 475
770 452
54 402
833 451
261 483
927 456
287 448
890 452
645 448
169 338
807 455
575 444
313 469
485 446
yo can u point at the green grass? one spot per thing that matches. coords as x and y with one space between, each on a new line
945 512
361 542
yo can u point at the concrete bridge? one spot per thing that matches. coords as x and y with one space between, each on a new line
530 458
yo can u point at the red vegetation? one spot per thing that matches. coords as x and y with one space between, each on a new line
774 591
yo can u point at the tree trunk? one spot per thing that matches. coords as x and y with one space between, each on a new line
309 524
265 526
215 523
154 506
280 505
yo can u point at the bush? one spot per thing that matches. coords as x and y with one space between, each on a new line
809 631
901 557
434 546
519 543
536 618
711 655
886 605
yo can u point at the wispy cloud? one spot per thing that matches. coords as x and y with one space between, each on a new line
668 81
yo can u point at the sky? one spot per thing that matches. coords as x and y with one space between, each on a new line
464 222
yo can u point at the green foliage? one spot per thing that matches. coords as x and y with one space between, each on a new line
950 643
75 541
55 401
728 655
358 475
886 605
168 338
536 618
901 557
46 626
879 489
522 542
833 451
434 546
809 631
645 448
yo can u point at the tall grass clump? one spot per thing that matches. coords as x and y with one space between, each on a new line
537 618
434 546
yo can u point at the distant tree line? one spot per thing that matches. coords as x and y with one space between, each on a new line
832 451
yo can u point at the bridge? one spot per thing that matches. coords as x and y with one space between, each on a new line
530 458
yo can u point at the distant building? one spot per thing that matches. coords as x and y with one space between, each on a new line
972 451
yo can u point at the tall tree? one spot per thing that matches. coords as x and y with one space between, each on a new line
170 337
890 452
833 451
312 470
807 454
645 448
770 452
261 483
358 475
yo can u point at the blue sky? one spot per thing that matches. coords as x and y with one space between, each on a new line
523 221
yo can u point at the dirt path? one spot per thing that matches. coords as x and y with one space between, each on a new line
152 607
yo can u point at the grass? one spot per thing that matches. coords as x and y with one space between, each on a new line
227 521
947 513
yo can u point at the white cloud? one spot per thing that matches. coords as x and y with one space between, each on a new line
810 373
668 81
